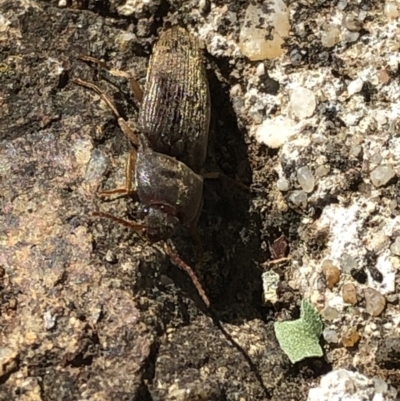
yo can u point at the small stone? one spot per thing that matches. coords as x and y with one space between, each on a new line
330 36
330 336
138 7
350 37
347 263
350 337
49 320
299 198
359 275
264 29
376 158
124 41
331 273
260 71
395 247
383 77
382 175
392 298
270 281
110 257
306 179
390 10
296 57
329 313
303 102
275 132
355 150
380 385
352 23
355 86
381 119
349 293
375 302
282 184
321 171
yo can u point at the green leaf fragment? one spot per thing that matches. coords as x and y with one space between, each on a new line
299 339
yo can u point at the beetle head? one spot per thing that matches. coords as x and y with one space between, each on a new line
160 221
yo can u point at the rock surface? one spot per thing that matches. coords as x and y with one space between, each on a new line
344 385
90 311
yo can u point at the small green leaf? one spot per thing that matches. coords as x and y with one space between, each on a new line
299 339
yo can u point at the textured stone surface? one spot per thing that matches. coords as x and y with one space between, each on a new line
344 385
89 310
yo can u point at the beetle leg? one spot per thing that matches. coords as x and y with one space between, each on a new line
135 88
127 190
126 129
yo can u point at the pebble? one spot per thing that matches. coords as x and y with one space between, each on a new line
299 198
355 150
260 71
383 76
137 7
306 179
254 42
110 257
395 247
330 36
270 281
350 337
347 263
331 273
376 158
330 336
321 171
329 313
275 132
303 102
375 302
49 320
349 293
350 37
352 23
355 86
282 184
390 10
382 175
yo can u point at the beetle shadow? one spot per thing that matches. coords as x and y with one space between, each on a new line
228 230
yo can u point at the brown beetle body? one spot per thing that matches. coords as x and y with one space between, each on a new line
169 191
175 113
171 145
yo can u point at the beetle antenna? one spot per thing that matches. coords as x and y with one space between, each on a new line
176 260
